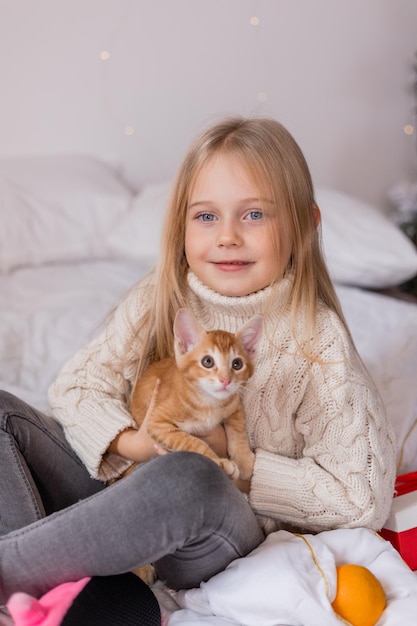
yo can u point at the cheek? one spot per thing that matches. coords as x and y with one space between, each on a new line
196 241
192 247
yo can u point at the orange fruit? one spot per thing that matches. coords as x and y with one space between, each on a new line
360 598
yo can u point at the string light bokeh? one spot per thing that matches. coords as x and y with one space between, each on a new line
128 129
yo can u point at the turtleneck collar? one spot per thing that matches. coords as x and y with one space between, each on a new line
218 311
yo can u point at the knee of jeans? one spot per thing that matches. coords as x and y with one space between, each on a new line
11 407
199 476
205 479
8 403
194 467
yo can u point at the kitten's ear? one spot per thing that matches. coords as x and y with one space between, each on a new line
250 334
187 331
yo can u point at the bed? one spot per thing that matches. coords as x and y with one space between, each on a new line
75 236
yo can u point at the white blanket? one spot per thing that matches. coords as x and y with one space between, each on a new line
291 580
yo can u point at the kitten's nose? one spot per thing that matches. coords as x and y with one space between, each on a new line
225 382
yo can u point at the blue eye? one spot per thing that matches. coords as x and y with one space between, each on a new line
207 362
255 215
206 217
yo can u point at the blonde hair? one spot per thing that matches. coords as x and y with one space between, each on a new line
274 160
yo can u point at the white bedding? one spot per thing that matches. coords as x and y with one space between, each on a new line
385 333
48 312
290 580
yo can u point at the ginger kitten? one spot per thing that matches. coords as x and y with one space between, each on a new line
199 389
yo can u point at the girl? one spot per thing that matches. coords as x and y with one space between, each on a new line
240 238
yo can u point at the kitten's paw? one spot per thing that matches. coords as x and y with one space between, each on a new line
146 573
246 466
230 468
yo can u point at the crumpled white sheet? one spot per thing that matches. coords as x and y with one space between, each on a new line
385 334
291 580
47 313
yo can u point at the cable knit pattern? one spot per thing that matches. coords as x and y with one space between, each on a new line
325 452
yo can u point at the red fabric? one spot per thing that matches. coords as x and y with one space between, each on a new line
405 483
405 543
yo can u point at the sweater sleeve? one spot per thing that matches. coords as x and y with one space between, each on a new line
344 474
90 395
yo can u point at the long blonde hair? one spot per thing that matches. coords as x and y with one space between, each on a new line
277 165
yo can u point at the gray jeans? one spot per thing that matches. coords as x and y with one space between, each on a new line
179 511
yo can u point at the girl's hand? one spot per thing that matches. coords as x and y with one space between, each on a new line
216 440
160 451
137 445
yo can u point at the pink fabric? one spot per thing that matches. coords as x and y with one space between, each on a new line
49 610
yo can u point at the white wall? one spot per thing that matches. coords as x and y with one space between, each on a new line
336 72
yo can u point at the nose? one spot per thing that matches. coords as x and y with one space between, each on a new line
229 234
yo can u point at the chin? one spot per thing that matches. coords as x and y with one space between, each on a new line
235 292
228 288
222 395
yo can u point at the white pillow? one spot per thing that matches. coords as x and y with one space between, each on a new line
361 245
137 235
57 208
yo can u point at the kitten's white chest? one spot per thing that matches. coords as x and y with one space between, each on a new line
207 417
200 424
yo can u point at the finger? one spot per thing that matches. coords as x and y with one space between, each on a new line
154 394
151 405
160 451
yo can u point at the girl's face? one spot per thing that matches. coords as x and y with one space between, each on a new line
229 230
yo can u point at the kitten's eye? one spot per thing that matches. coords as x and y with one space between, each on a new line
207 361
237 364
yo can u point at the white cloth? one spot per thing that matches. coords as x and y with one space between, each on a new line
291 580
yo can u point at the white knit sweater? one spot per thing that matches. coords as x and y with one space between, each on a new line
325 452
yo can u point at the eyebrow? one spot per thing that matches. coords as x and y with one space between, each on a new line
209 203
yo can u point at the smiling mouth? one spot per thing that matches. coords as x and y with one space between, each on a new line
232 266
232 262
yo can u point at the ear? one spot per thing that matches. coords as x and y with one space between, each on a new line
187 331
250 334
316 215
